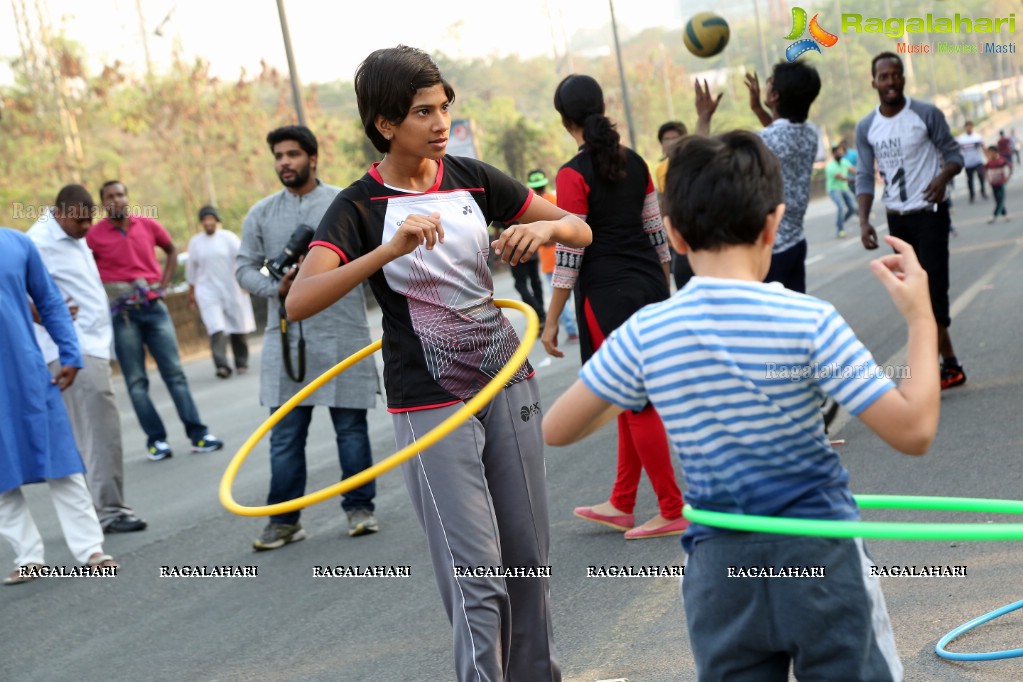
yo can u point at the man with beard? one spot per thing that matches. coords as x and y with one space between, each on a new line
917 157
329 337
124 247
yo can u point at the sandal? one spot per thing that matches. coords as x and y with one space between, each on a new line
16 577
100 560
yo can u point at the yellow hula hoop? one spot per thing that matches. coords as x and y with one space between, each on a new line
474 405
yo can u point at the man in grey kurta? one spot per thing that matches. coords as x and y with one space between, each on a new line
330 336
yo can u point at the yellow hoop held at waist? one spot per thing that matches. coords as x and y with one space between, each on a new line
471 407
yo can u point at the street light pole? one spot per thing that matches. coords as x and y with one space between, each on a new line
296 89
621 75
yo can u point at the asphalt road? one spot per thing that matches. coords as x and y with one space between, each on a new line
285 624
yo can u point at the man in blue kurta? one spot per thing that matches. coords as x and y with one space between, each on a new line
36 443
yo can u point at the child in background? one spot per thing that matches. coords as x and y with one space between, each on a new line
737 368
998 171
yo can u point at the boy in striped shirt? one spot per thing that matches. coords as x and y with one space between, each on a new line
737 370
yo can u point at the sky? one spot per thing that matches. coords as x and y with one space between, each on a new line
329 38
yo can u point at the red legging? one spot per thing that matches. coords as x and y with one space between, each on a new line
642 443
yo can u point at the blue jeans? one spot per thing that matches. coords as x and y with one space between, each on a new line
567 319
135 330
287 457
838 196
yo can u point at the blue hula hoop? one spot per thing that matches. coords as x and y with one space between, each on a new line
966 627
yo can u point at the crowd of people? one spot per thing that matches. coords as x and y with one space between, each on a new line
721 217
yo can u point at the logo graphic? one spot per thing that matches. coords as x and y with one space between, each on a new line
819 35
528 411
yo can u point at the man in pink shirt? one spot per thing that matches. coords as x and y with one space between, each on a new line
124 247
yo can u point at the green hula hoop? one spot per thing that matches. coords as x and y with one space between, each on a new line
880 530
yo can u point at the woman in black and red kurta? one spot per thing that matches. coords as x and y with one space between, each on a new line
625 268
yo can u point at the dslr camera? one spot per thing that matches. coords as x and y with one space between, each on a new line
297 246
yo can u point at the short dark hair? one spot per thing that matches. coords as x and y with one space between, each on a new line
834 150
719 190
797 85
883 55
300 134
678 126
74 198
111 183
992 148
387 81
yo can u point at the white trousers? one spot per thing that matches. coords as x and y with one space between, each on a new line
77 516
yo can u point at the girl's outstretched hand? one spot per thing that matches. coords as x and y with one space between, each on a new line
518 243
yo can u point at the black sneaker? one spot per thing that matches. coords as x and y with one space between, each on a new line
829 409
125 523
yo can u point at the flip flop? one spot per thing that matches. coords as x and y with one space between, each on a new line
99 560
16 578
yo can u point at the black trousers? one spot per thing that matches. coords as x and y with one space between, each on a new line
529 286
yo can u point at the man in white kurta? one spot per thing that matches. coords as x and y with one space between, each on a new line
224 307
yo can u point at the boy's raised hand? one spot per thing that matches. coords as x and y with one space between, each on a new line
753 83
904 278
706 105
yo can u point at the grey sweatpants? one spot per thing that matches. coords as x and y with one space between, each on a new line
752 629
96 424
480 495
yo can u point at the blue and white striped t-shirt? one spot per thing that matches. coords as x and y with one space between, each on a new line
737 370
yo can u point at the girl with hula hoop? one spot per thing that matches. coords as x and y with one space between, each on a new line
415 226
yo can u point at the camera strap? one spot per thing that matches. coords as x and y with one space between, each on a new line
286 348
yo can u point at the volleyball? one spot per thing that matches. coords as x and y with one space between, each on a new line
706 34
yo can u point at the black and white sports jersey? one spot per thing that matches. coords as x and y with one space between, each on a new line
910 149
444 339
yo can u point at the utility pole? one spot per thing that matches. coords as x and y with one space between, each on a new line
296 88
621 75
58 92
145 39
765 66
666 68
